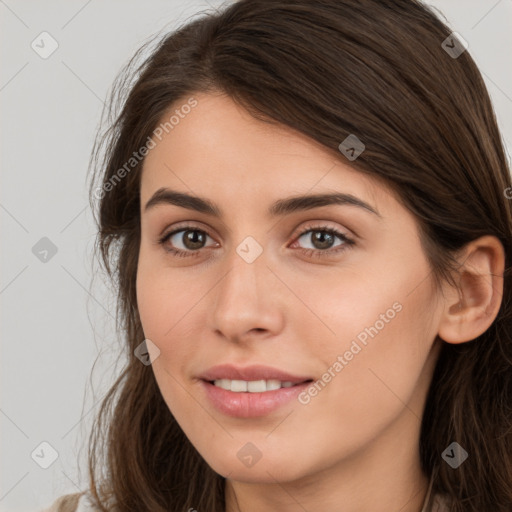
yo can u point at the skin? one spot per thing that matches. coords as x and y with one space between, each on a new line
355 444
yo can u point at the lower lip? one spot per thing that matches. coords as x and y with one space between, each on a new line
250 405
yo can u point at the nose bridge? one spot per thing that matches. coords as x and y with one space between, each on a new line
243 301
245 276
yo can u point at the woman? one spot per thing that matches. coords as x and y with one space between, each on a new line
304 207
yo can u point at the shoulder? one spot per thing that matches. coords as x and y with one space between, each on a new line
77 502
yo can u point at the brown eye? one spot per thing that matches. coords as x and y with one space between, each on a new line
193 239
323 239
185 240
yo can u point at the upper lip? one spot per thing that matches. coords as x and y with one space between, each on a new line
250 373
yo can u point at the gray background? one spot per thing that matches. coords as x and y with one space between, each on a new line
56 320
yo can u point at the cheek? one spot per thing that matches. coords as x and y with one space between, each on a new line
164 297
347 306
161 305
383 358
382 324
152 302
172 317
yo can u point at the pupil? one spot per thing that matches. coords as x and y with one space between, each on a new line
193 239
325 239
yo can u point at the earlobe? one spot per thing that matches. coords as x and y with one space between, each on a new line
471 307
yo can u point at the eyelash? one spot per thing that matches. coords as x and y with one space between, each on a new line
347 242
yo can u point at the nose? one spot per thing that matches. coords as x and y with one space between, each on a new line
248 300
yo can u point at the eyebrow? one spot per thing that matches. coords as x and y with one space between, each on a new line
278 208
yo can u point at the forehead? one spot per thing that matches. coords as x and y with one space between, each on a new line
217 148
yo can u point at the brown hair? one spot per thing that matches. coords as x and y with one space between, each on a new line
327 68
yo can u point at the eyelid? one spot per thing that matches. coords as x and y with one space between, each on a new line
182 226
320 225
315 224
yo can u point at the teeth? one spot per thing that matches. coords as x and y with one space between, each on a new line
253 386
238 385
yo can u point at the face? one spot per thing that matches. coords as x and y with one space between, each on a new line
338 294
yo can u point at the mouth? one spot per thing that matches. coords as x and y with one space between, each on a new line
251 391
251 378
254 386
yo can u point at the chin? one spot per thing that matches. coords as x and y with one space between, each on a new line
263 471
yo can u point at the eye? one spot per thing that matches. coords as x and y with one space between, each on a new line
193 239
322 239
190 238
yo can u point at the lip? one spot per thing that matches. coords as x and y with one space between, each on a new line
246 404
254 372
250 405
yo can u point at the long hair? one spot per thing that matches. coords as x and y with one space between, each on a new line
380 70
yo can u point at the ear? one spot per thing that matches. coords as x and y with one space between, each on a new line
472 306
